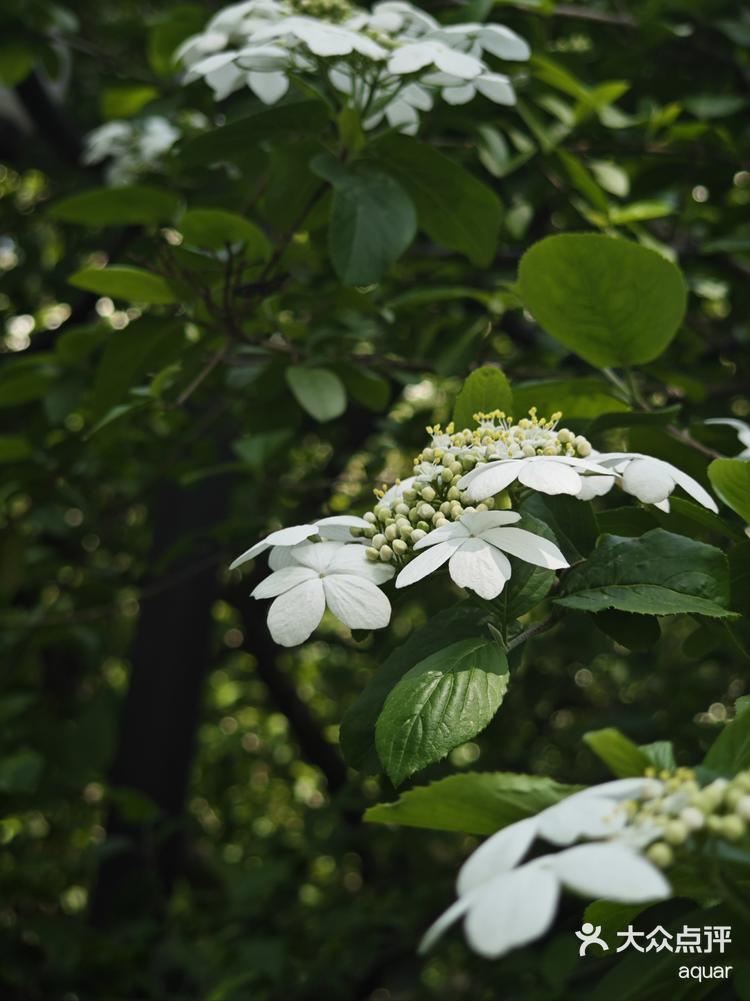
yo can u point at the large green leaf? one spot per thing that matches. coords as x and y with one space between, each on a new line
20 772
121 281
485 389
242 136
576 398
215 228
730 478
657 574
125 206
318 391
357 734
454 208
528 584
372 220
610 301
443 701
474 802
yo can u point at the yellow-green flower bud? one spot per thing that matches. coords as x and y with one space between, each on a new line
693 818
382 512
428 455
583 447
428 494
453 494
372 554
410 496
490 503
446 476
379 540
675 832
399 547
369 532
565 436
386 553
423 525
425 510
482 507
660 854
445 507
369 516
743 807
457 469
417 534
391 533
733 827
439 519
401 508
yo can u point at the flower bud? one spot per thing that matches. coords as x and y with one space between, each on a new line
445 507
372 554
399 547
425 510
386 553
417 534
456 468
382 512
410 496
660 854
428 455
428 494
439 519
490 503
379 540
369 531
675 832
369 516
453 494
692 818
391 533
733 827
423 525
583 447
743 807
401 508
482 507
446 476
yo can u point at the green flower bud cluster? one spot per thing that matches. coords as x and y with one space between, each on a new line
683 814
326 10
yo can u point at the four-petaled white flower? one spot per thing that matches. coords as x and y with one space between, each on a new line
334 529
474 548
653 480
131 147
549 474
742 429
336 575
506 905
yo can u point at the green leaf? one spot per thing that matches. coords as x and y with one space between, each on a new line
571 521
121 281
365 386
730 752
20 772
485 389
170 28
660 754
126 100
528 584
576 398
620 755
443 701
242 136
372 220
730 478
657 574
318 391
216 228
455 209
14 448
357 733
473 802
132 205
610 301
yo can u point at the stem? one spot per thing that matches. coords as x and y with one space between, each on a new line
535 630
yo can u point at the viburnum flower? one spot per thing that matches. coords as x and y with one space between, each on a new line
474 548
389 62
506 905
742 429
133 147
336 575
549 474
336 528
653 480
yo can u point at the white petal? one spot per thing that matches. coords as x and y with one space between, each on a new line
574 818
595 485
664 505
527 546
352 559
515 908
503 43
281 556
610 871
411 58
480 567
356 601
457 910
282 580
338 527
648 480
693 488
294 615
496 87
418 97
396 492
283 537
489 479
211 64
457 63
262 57
499 853
320 555
459 95
324 40
402 116
550 477
270 87
224 81
427 562
480 521
341 80
454 530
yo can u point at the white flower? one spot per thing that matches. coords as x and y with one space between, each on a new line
550 474
133 146
652 480
332 574
336 528
742 429
474 548
505 906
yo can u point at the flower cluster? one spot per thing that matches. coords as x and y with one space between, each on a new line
629 830
132 147
388 63
457 510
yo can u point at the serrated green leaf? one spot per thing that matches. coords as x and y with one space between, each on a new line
473 802
485 389
610 301
443 701
657 574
